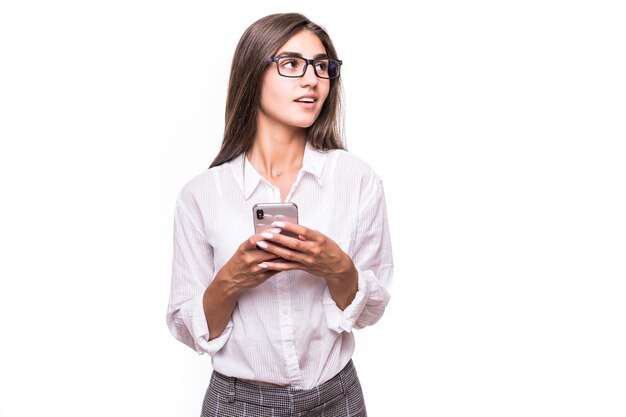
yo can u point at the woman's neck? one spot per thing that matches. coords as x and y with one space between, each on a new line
276 153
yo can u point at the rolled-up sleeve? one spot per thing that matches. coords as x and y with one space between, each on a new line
192 271
373 260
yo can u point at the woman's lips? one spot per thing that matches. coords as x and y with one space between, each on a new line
308 105
304 105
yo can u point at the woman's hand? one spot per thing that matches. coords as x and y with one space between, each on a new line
242 271
314 253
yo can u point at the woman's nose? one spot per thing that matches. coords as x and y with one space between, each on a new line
309 77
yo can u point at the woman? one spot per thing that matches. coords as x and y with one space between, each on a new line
275 312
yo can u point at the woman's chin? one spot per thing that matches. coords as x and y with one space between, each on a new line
303 122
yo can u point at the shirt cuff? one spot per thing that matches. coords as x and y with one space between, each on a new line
195 321
343 321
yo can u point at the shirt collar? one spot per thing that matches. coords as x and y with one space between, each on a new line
312 163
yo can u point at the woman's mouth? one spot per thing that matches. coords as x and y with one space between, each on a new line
306 102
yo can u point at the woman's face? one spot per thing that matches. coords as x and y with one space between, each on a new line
280 95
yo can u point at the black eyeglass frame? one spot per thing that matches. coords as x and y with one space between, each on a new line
307 62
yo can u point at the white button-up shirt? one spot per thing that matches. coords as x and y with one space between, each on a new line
288 330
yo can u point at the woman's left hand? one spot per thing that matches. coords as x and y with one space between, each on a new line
316 254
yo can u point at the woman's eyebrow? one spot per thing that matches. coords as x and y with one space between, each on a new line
299 55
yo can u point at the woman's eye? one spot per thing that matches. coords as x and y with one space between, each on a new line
290 63
321 66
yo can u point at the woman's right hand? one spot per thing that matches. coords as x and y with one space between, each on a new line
242 271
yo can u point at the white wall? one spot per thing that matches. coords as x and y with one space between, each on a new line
497 127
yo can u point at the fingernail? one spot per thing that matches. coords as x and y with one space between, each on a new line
275 230
261 244
263 266
267 235
278 224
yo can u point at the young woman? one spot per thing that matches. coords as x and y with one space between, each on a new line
275 312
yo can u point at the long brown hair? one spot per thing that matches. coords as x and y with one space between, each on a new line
259 43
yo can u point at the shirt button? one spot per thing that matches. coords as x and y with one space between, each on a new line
285 312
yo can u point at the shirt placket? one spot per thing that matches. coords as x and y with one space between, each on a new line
285 312
287 329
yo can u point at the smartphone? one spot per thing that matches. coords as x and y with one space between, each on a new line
266 213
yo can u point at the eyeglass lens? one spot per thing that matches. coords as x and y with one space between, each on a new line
296 67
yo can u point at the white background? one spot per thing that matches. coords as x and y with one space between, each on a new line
498 129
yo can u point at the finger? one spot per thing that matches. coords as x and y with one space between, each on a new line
252 242
298 229
262 271
280 266
270 257
287 254
282 240
259 255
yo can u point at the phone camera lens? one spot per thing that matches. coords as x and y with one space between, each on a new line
259 214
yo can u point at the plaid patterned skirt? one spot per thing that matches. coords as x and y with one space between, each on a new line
341 396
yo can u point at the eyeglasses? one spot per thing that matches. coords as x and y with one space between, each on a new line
295 67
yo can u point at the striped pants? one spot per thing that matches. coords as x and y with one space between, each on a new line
341 396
